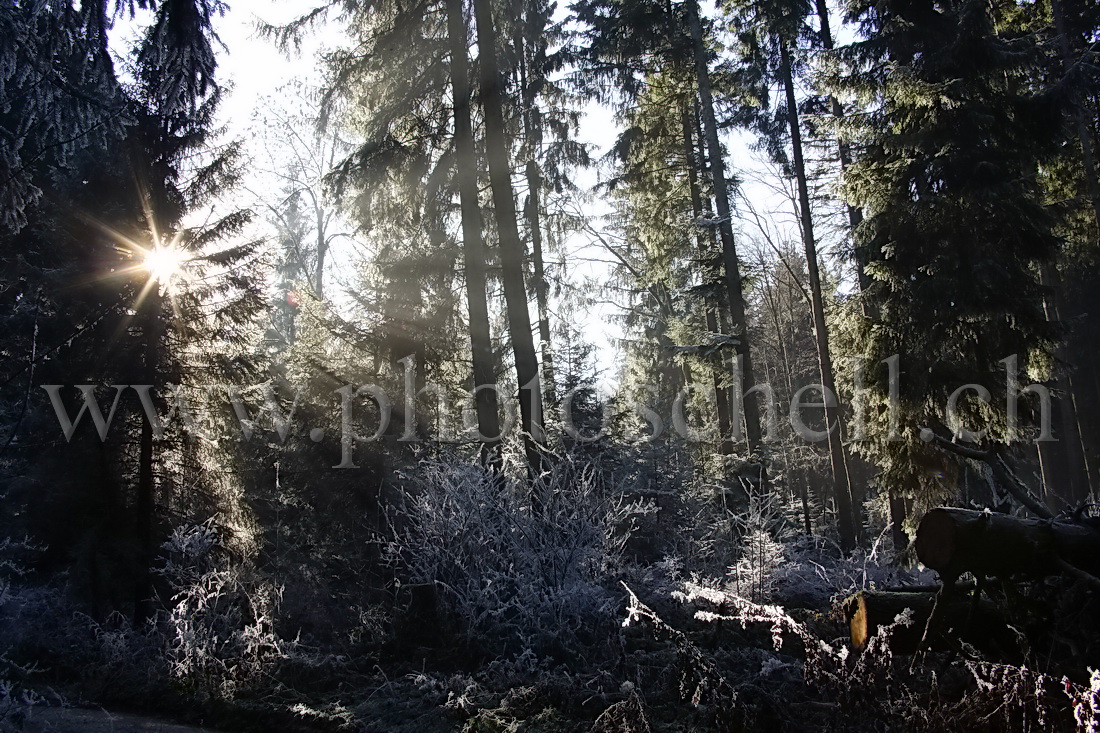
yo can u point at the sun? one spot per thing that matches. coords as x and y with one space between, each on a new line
163 263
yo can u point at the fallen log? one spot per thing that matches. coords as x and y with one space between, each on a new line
954 541
978 624
868 611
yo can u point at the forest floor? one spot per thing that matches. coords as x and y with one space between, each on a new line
62 720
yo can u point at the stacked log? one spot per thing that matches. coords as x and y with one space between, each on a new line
869 611
977 623
954 541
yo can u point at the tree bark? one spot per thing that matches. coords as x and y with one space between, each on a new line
473 246
511 246
734 284
322 252
542 287
1065 473
842 489
855 215
532 211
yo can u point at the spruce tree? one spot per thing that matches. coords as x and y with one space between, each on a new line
955 229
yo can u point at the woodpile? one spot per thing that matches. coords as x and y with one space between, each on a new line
987 545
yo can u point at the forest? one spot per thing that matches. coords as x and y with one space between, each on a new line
604 366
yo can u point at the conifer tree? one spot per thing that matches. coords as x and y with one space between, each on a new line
474 254
119 174
498 157
955 230
624 44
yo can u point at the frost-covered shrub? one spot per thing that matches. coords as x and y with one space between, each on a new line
515 566
22 609
1086 703
220 629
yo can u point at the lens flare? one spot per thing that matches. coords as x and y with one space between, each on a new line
163 263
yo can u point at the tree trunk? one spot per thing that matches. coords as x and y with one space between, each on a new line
842 489
1065 474
734 285
511 246
542 287
322 251
532 211
855 215
473 246
722 397
954 541
145 508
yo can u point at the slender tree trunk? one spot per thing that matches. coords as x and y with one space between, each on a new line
322 252
1084 309
532 211
473 246
842 489
734 285
542 287
511 246
855 215
1065 474
725 429
146 489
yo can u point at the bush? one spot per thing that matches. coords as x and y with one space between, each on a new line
515 567
220 629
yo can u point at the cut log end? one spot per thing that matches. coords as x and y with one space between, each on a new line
858 626
977 622
868 611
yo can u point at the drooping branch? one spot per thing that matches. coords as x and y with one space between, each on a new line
1001 472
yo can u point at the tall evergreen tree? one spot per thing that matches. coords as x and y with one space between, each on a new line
955 228
625 44
498 156
474 254
97 250
735 297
